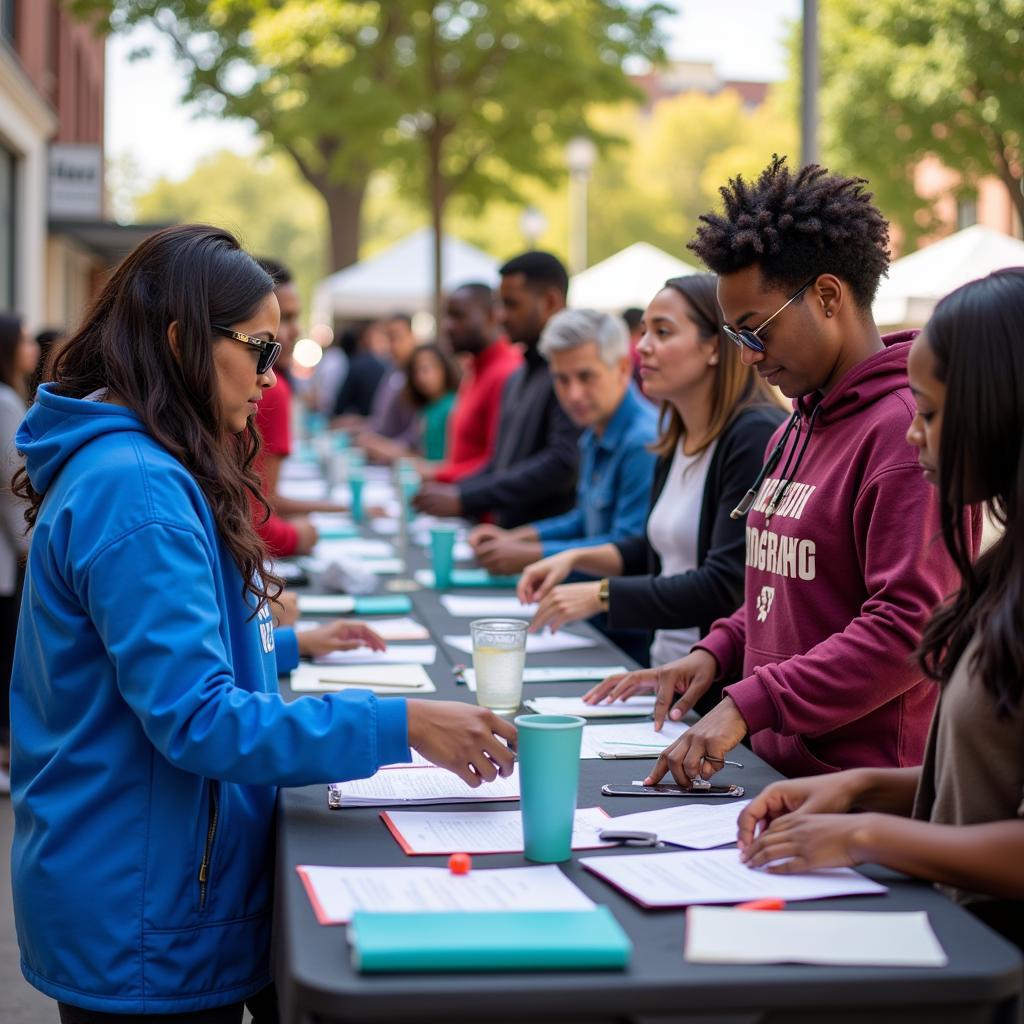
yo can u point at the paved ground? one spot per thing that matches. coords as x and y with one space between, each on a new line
19 1002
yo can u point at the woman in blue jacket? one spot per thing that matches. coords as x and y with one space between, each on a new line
149 735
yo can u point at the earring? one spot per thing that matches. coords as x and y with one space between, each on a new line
828 313
713 361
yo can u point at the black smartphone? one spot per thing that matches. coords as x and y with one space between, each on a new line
669 789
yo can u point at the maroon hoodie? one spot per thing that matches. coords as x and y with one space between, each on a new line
840 581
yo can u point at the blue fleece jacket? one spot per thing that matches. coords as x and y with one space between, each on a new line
148 733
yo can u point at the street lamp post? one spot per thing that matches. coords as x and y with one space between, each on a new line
532 224
580 155
809 85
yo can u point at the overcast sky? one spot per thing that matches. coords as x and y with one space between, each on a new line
743 38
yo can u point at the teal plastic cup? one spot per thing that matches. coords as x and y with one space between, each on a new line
549 777
442 554
355 483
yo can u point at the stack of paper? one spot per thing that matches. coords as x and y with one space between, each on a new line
336 893
717 935
419 786
463 606
406 654
629 740
718 876
441 832
536 643
633 707
345 604
696 826
357 547
404 628
395 680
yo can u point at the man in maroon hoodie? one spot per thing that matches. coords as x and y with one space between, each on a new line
842 571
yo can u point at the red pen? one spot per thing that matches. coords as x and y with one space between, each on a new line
772 903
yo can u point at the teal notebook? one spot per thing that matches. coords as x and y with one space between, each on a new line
488 941
338 532
481 578
382 604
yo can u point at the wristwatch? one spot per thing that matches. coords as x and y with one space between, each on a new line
602 594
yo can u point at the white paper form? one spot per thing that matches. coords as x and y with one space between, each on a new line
326 604
382 566
696 826
302 490
396 680
355 547
629 739
465 606
536 643
480 832
421 786
407 654
632 707
720 935
336 893
577 674
718 876
401 628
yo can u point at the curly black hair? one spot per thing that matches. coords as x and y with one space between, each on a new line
794 226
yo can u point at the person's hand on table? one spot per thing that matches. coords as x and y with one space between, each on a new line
307 536
701 750
380 449
474 743
539 578
567 603
817 794
505 556
800 842
340 635
691 676
484 533
435 499
285 608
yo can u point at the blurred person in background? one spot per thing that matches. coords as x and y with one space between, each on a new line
366 346
19 360
532 474
321 392
392 416
431 380
473 329
588 356
287 530
633 318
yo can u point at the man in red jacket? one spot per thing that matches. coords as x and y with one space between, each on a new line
842 565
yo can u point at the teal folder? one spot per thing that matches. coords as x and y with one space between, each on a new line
382 604
481 578
488 941
338 532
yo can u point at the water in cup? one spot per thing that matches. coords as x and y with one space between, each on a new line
499 653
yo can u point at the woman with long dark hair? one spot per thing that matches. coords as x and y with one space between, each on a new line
19 355
686 570
148 733
958 820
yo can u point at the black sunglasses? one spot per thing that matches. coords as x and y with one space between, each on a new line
269 350
747 338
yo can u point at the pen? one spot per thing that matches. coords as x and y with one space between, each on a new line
721 761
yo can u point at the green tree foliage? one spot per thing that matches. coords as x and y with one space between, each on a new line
263 200
902 79
457 97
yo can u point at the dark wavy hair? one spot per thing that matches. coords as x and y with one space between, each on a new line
736 388
975 337
797 226
191 275
413 395
10 340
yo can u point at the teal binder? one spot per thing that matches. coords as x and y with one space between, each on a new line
382 604
481 578
488 941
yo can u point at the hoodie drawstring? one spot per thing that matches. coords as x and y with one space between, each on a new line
787 476
772 461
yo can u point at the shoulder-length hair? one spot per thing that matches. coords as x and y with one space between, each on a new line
193 276
736 387
10 341
975 337
414 396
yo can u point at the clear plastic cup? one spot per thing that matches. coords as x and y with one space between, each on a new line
499 654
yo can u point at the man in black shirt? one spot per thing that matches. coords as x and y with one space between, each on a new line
532 474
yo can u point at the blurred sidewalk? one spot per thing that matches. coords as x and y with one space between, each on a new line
19 1002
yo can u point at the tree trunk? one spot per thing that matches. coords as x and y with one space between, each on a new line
437 199
344 208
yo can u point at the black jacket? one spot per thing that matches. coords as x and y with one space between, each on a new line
640 598
532 473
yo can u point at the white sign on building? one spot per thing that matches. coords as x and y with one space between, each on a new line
76 181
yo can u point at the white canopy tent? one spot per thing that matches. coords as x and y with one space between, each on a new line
917 281
629 278
401 278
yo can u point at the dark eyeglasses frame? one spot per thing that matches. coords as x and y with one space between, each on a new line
744 337
269 350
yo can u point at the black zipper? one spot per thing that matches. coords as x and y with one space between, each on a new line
211 832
